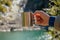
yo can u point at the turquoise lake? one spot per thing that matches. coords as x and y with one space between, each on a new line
23 35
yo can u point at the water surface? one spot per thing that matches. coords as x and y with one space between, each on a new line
23 35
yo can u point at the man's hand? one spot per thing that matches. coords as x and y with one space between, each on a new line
41 18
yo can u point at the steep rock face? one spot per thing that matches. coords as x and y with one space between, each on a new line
33 5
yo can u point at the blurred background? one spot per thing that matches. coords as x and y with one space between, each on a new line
14 24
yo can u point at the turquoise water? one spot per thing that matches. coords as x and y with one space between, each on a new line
24 35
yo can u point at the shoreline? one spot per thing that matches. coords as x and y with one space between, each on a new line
19 29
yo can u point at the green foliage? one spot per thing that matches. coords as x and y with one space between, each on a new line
55 9
57 2
6 3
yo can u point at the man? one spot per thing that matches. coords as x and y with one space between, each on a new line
44 19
